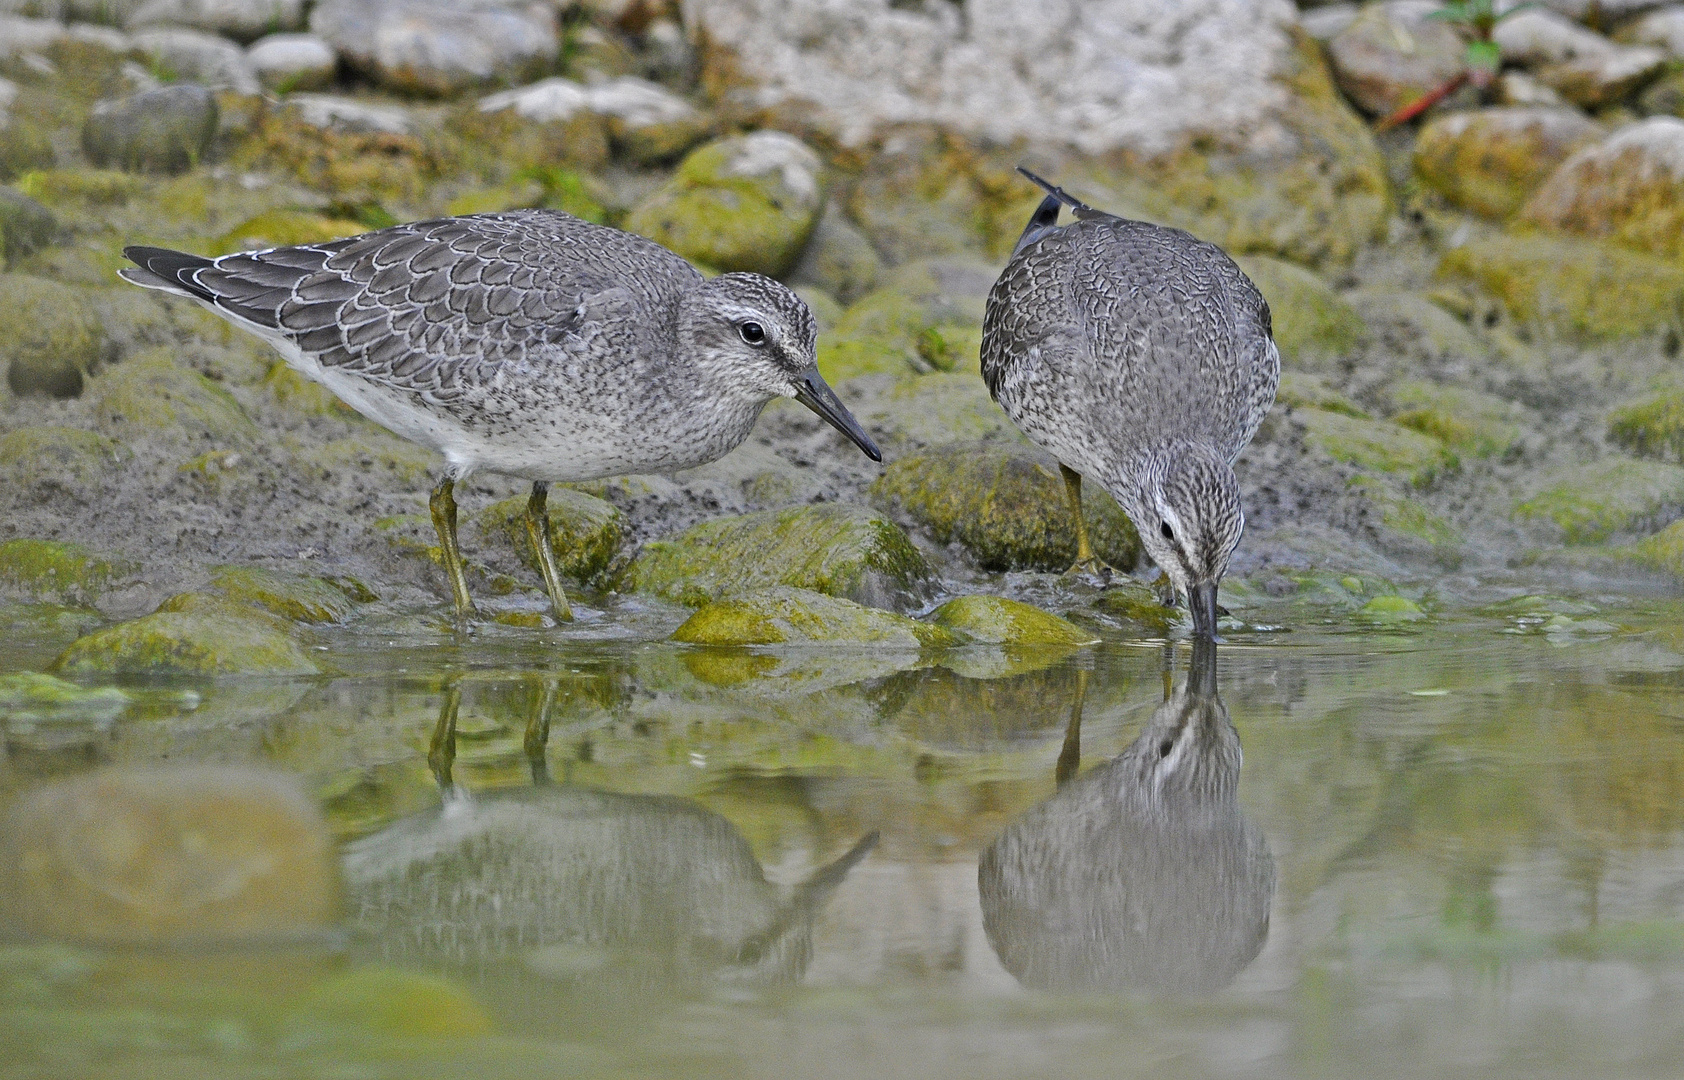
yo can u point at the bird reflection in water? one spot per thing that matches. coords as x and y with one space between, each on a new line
1142 874
590 886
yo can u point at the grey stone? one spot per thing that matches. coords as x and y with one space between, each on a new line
1393 53
25 225
166 129
1584 67
333 113
243 20
437 48
198 57
1662 28
293 61
1325 23
838 258
20 35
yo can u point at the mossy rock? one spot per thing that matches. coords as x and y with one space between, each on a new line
394 1002
80 189
187 643
1136 607
931 410
220 604
1467 421
515 195
926 193
298 597
64 457
994 620
1006 506
1378 446
1411 324
1625 189
151 394
286 228
1391 610
26 144
837 258
168 129
1581 288
833 548
30 697
1663 551
1590 503
1651 426
586 533
46 568
926 316
49 336
1405 526
1490 161
25 226
1302 391
1312 324
743 203
302 394
789 616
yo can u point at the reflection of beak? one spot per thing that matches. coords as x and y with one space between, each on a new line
813 392
1201 600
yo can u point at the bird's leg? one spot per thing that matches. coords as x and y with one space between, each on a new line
1070 754
1086 561
538 733
441 751
538 530
443 506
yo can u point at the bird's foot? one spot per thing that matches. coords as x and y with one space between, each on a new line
1093 571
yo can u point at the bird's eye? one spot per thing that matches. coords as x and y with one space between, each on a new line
753 333
1169 533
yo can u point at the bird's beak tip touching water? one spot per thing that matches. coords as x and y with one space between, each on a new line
1201 601
813 392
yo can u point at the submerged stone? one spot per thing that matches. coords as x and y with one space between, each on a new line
1392 609
46 568
298 597
42 712
994 620
1312 324
392 1001
788 616
1006 506
586 533
187 643
175 855
49 336
835 549
1589 503
1651 426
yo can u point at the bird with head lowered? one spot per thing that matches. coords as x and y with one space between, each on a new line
1143 359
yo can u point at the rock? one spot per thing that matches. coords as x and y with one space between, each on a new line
791 616
1312 324
26 138
1301 391
926 316
197 57
1467 421
1378 446
437 48
586 533
25 226
1584 67
648 123
1005 505
1516 88
167 129
298 597
1395 517
743 203
1134 606
65 458
924 193
333 113
1581 288
150 394
1326 22
835 549
1663 551
545 101
242 20
1630 187
993 620
1490 160
192 643
288 62
1590 503
22 36
1391 610
286 228
44 569
907 414
48 336
1663 28
389 1001
1394 53
838 258
41 712
1651 427
201 854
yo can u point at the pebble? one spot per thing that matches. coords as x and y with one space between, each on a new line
293 61
436 48
166 129
243 20
199 57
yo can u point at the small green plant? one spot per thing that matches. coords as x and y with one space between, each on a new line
1474 21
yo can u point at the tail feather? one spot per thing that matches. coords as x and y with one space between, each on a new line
166 269
1043 221
1082 209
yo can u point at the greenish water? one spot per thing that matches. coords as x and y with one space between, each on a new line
1456 848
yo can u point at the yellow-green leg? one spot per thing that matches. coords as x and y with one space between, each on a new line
538 530
538 732
1070 754
1086 561
443 506
441 752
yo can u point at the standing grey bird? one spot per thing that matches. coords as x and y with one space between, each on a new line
1141 358
530 343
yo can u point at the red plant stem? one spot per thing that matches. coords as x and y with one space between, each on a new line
1423 103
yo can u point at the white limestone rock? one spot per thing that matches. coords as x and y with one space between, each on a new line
293 61
243 20
199 57
437 47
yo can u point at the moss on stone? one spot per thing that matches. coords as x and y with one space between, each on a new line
1490 160
1652 426
1467 421
835 549
933 409
994 620
63 456
403 463
1663 551
587 533
1312 324
298 597
926 316
1581 288
286 228
514 195
1005 505
1378 446
186 643
395 1002
1590 503
1405 526
32 697
1391 610
1301 391
44 568
80 188
49 336
791 616
25 226
302 394
1136 607
152 394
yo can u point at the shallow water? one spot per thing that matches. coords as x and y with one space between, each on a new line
1455 847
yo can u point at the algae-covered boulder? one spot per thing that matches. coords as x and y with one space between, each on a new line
151 394
790 616
1391 610
1628 188
1491 160
1136 607
1663 551
1378 446
944 407
298 597
837 258
50 568
436 48
1299 390
288 62
926 316
835 549
1401 524
167 129
1582 66
43 712
1312 324
1582 288
1412 324
586 533
200 854
49 336
1005 505
389 1001
25 226
994 620
1394 53
286 228
62 457
743 203
1590 503
1652 426
1467 421
199 643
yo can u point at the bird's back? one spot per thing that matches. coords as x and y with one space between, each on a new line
1132 330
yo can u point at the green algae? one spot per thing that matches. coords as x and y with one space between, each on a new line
1651 426
152 394
1590 503
187 643
1312 323
70 457
995 620
53 568
587 534
49 336
1378 446
285 228
789 616
392 1001
297 597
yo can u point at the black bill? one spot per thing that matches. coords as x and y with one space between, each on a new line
1201 601
817 395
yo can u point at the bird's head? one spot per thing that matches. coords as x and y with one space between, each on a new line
1190 523
755 337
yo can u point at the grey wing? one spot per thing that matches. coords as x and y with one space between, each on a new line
1259 359
1028 318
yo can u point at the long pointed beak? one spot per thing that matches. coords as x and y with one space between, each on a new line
813 392
1201 601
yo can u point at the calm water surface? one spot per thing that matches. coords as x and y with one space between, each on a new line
1454 848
